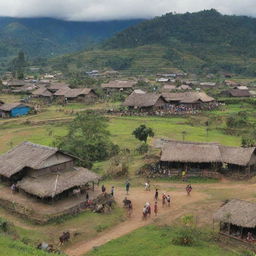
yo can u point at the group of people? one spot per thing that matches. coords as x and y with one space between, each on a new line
112 191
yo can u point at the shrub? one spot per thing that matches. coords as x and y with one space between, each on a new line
142 149
186 236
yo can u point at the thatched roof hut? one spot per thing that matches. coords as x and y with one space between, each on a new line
74 93
119 84
30 155
237 212
146 100
57 86
238 93
42 92
238 155
188 97
53 184
190 152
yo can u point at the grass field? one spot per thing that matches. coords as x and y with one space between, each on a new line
153 240
16 248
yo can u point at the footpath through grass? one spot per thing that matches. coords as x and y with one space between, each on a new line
153 240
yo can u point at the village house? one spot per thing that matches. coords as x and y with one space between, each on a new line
145 102
237 220
168 88
43 93
54 87
85 95
27 88
189 100
44 172
236 93
119 85
15 83
184 87
239 159
191 156
14 110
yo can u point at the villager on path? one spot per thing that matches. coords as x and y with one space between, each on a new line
155 208
103 189
156 195
168 199
189 189
112 190
163 199
147 186
129 210
127 187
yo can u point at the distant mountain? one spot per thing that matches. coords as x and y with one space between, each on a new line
46 37
203 42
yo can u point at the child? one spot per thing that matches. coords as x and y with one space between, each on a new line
156 195
163 199
168 200
112 191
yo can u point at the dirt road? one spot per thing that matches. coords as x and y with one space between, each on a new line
139 198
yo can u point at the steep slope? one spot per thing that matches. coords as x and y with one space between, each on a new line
48 37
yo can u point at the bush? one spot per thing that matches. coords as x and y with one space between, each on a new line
247 253
186 236
142 149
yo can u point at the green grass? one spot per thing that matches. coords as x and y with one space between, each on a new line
153 240
10 247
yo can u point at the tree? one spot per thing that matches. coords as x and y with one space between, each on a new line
143 132
88 139
18 64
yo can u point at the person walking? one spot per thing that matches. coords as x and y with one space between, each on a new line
129 209
127 187
163 199
103 189
156 195
189 189
112 191
155 208
168 199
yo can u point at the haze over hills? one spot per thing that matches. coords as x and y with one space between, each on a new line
46 37
205 41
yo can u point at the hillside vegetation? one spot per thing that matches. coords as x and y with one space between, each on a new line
45 37
201 42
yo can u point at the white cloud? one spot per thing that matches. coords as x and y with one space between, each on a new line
118 9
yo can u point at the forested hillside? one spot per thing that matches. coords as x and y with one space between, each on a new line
201 42
46 37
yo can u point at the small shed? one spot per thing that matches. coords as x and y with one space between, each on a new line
237 93
14 110
237 219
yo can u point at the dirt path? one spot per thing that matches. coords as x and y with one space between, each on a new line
139 198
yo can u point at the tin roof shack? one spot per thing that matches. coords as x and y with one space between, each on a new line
239 160
145 102
191 156
85 95
237 220
118 85
42 171
14 110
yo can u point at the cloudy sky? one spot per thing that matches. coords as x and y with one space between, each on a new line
118 9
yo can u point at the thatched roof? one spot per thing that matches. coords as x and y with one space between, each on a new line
16 83
119 84
184 87
239 93
53 184
190 152
142 100
44 92
169 87
57 86
73 93
9 106
241 87
27 154
237 155
237 212
183 151
188 97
